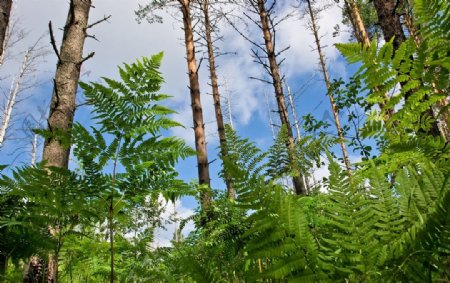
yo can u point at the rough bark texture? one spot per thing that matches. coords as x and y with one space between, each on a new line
297 179
326 77
197 112
62 108
389 21
216 95
34 271
5 12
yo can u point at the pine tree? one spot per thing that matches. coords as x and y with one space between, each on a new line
259 7
185 6
208 31
315 30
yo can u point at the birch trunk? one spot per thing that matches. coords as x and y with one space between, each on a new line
297 179
12 98
326 78
197 111
5 12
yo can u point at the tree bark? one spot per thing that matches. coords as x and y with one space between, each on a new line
197 112
326 78
389 21
297 179
62 108
5 12
358 24
216 95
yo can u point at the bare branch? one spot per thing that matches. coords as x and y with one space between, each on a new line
105 19
52 41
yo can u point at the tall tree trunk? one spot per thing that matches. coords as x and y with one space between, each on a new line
62 108
5 12
297 179
326 77
363 37
197 112
358 24
216 94
389 21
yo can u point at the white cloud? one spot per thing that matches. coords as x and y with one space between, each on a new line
164 236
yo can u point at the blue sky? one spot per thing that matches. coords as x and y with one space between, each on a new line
124 40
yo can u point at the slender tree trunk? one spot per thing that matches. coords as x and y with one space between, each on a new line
15 89
297 179
111 237
297 129
358 24
363 37
5 12
326 78
216 94
389 21
62 108
197 112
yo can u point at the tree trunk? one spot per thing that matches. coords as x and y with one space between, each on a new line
363 37
391 25
5 12
216 94
34 271
326 77
12 98
358 24
197 112
62 108
389 21
297 179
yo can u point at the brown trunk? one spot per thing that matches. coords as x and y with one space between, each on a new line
389 21
358 24
297 179
34 271
197 112
216 94
62 108
363 37
5 12
329 89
